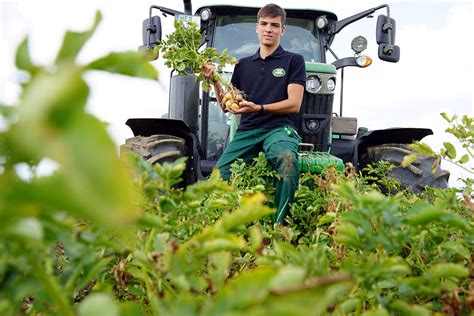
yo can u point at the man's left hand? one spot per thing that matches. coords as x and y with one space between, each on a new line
246 107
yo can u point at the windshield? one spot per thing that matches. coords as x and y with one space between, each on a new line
237 33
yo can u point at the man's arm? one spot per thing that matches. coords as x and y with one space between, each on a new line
290 105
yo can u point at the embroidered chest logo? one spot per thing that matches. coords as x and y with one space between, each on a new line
279 72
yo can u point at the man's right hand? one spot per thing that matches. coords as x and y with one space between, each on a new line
207 71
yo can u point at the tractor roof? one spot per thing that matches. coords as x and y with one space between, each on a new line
247 10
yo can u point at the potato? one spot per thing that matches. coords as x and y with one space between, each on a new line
227 96
238 98
228 103
235 106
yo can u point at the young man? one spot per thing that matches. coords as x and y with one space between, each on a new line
273 82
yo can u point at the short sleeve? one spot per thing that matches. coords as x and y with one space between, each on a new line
297 70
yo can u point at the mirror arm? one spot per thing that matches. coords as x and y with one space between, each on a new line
388 27
336 27
165 11
152 28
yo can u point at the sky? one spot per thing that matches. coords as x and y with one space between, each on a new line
432 76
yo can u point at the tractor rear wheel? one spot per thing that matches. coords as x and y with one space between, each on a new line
156 148
416 176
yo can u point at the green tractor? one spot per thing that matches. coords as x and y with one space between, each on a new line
196 127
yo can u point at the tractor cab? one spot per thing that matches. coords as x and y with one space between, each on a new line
233 27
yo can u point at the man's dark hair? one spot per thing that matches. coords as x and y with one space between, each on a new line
272 10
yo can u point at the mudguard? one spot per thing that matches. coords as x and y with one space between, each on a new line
387 136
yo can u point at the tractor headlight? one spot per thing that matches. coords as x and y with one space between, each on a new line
312 125
313 84
331 84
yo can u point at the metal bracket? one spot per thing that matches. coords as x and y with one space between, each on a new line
305 145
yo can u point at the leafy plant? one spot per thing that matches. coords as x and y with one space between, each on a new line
89 183
182 52
463 130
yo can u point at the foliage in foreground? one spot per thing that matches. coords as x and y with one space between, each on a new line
101 237
463 130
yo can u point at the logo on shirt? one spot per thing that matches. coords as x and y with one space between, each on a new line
278 72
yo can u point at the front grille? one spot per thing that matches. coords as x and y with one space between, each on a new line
313 122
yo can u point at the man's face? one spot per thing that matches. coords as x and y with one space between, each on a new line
269 30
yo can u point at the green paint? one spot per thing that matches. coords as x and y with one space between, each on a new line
320 68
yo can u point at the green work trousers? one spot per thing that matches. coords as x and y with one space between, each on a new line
280 146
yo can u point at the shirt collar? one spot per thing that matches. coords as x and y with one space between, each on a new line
276 54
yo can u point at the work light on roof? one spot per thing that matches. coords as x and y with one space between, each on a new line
205 14
321 22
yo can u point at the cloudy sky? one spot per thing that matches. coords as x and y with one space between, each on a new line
433 75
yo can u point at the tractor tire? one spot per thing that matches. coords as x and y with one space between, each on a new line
416 176
156 148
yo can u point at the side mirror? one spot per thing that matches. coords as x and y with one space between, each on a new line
383 27
388 51
151 33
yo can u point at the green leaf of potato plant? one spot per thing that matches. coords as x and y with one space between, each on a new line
422 148
450 150
271 291
73 42
23 58
99 304
409 159
90 182
124 63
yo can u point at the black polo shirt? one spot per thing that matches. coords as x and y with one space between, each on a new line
266 81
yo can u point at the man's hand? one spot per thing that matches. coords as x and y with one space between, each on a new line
246 107
208 70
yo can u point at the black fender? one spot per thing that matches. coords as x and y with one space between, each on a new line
387 136
154 126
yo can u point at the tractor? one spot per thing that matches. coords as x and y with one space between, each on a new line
195 126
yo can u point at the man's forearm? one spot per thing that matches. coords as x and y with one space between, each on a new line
290 105
283 107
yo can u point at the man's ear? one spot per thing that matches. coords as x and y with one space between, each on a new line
283 30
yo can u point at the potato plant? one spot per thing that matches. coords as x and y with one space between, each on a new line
182 52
